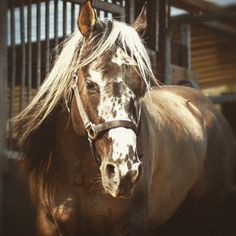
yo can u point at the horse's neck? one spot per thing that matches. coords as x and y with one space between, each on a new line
171 127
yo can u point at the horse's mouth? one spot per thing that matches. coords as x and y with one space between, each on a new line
121 193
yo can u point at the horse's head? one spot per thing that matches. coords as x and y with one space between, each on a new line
110 88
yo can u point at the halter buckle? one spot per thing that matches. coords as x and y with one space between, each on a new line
92 134
74 79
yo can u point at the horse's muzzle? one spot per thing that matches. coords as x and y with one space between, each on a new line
120 181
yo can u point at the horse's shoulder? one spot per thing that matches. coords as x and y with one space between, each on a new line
167 97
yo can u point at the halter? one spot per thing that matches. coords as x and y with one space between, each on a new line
94 130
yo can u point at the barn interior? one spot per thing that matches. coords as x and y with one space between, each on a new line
190 43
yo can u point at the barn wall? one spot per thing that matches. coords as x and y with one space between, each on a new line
3 78
213 56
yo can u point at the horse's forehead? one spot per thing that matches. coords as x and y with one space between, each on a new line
96 75
108 73
107 69
120 57
109 78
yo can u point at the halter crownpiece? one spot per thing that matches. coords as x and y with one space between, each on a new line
94 130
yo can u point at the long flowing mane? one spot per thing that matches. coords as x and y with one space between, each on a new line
56 88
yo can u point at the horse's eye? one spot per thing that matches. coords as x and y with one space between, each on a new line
91 86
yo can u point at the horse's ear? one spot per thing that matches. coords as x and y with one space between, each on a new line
140 24
87 18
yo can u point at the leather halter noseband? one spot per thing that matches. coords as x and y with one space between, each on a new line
94 130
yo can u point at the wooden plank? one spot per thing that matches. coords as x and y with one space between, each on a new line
72 17
211 20
221 27
186 45
29 53
213 57
13 61
130 11
179 73
155 27
203 17
125 17
64 18
3 79
23 55
218 75
223 98
56 27
105 6
38 75
47 22
3 96
17 98
164 44
211 82
196 6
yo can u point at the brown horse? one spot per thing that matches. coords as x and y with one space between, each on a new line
152 148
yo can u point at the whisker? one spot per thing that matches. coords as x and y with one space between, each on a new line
96 184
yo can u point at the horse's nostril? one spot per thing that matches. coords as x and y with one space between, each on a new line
110 170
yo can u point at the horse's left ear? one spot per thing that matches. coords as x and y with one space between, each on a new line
87 18
140 24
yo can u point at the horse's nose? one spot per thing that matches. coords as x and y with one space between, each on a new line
117 174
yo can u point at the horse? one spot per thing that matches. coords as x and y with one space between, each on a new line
105 153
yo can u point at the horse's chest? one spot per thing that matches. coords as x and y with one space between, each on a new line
94 211
91 211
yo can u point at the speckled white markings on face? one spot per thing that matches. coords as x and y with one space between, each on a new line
96 75
122 58
114 108
124 169
123 139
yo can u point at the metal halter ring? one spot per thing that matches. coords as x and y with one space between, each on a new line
92 134
74 79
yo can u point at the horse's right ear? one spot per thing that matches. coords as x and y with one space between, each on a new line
87 18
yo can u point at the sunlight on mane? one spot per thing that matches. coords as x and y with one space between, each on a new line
57 86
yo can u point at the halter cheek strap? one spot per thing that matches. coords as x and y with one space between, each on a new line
94 130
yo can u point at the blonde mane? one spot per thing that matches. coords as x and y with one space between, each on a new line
57 86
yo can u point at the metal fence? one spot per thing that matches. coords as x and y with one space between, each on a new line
35 29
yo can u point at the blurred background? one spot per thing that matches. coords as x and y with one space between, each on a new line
191 43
